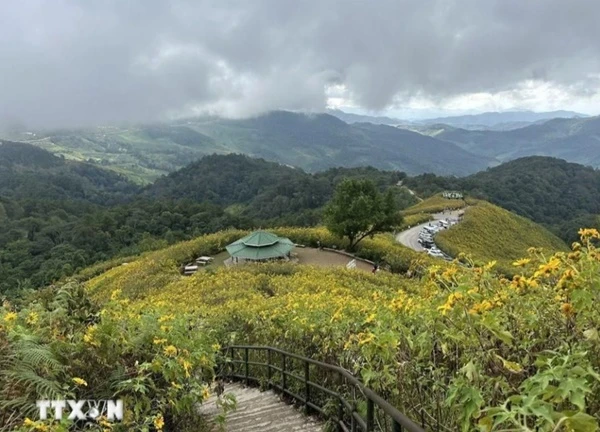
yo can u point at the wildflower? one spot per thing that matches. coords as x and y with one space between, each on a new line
186 366
80 382
10 317
157 341
115 294
32 318
205 393
28 422
159 422
567 309
522 262
165 318
370 318
585 233
170 351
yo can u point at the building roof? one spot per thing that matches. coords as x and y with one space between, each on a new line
260 245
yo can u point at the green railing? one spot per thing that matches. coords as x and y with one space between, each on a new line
346 415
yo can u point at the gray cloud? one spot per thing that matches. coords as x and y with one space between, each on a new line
72 62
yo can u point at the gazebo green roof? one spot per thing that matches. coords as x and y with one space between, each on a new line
260 245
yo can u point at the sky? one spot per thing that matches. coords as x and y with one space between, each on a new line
90 62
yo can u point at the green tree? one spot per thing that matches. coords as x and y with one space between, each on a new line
358 210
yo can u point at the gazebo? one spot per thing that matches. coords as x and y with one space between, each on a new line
259 246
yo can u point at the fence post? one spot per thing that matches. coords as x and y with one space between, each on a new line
396 427
232 364
370 415
307 388
247 366
269 368
283 376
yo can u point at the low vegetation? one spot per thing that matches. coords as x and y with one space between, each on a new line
456 346
489 233
435 204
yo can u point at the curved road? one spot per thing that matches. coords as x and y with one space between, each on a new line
410 237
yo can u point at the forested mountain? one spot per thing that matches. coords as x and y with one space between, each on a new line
28 172
320 141
58 215
561 195
500 120
575 140
310 142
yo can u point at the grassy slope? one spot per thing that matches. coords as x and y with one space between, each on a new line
435 204
490 233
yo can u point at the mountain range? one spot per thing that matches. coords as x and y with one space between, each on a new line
316 142
575 140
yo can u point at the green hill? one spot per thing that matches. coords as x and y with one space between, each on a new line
560 195
489 233
572 139
310 142
472 339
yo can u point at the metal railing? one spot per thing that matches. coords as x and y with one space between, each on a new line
347 418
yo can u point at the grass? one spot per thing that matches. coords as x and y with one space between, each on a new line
490 233
435 204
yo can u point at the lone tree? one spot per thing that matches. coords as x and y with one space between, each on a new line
358 210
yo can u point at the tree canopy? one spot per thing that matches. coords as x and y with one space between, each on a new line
358 210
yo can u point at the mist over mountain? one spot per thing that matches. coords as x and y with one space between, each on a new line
500 119
574 139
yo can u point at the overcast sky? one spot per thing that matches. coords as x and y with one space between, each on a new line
76 62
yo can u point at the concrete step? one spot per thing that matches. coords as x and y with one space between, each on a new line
258 411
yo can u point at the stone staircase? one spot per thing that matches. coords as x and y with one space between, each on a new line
258 411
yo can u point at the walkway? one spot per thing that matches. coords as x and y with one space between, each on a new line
410 237
260 412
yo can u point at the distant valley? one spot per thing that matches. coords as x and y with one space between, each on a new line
316 142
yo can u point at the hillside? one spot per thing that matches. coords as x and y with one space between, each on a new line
494 340
310 142
29 172
562 196
142 153
59 216
575 140
490 120
489 233
435 204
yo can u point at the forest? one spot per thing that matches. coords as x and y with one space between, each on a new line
59 216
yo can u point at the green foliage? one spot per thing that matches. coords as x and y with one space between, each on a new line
489 233
358 210
460 347
435 204
560 195
63 345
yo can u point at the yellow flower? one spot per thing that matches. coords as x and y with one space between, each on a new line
522 262
165 318
10 317
589 233
159 422
157 341
205 393
28 422
170 351
567 309
32 318
80 382
186 366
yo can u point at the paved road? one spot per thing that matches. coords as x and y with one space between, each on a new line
410 237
